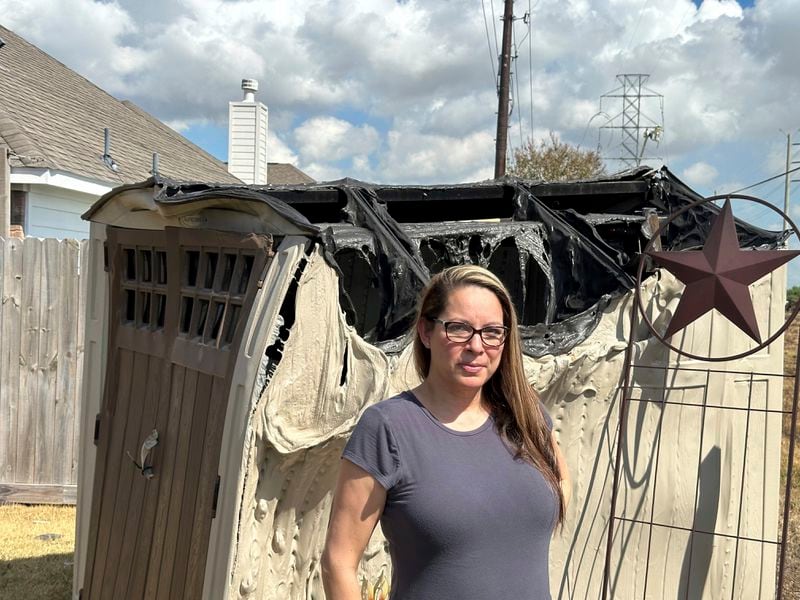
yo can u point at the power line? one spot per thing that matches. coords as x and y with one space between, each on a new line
530 60
691 7
526 18
773 178
642 7
492 59
515 78
755 217
773 191
765 210
758 211
494 29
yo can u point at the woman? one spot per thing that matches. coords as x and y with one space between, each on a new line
463 471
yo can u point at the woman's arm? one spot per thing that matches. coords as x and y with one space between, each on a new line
566 480
357 505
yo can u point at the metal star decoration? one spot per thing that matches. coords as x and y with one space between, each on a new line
719 275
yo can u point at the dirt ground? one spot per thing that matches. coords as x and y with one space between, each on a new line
36 551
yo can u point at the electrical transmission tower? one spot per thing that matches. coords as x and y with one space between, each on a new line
632 125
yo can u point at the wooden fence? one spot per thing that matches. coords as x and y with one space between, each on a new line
42 289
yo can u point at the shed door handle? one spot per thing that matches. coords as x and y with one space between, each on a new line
150 442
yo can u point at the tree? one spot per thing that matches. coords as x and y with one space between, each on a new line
554 160
792 296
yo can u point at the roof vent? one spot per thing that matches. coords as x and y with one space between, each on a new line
107 159
2 42
250 87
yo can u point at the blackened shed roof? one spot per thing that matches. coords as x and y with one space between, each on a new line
563 249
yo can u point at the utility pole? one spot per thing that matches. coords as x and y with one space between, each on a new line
503 92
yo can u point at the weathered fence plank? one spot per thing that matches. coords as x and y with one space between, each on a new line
29 350
42 287
76 365
46 356
9 353
66 350
31 493
6 411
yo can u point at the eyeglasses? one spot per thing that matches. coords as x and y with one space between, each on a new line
456 331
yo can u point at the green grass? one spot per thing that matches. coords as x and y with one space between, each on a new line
38 544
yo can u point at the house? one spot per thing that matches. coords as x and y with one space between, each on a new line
69 142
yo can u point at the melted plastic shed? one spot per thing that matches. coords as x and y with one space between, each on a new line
236 333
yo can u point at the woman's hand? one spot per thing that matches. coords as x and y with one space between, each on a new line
357 505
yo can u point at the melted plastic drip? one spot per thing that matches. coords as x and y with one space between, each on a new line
585 238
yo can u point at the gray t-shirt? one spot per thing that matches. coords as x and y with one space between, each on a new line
463 518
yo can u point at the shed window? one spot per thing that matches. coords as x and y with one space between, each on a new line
144 279
215 283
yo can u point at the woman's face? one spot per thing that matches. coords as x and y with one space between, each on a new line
464 364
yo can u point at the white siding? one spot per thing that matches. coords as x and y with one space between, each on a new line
56 213
247 141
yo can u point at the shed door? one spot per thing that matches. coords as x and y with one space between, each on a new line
178 304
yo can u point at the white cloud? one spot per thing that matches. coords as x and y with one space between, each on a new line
414 78
724 187
775 158
426 158
700 174
278 150
83 34
331 139
714 9
179 125
323 171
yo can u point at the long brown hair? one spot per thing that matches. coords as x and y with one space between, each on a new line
515 404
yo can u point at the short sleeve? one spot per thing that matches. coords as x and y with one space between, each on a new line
373 448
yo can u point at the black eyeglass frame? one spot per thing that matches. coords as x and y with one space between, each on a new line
480 331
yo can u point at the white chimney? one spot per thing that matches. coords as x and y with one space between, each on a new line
247 136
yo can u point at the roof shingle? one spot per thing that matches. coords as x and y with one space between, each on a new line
52 117
286 174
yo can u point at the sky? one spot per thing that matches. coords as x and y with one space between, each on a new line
404 91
